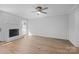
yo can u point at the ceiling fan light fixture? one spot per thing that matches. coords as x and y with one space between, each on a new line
38 12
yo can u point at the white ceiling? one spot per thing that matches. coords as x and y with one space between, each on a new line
25 10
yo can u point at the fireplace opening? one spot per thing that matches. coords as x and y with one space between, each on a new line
13 32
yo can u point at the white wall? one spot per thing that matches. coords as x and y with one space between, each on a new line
10 21
74 27
52 26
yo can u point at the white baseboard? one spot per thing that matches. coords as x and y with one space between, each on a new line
74 43
47 36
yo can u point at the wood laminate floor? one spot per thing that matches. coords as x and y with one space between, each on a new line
38 45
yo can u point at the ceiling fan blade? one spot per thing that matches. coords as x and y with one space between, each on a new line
44 12
45 8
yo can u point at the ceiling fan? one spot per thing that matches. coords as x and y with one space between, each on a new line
40 9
